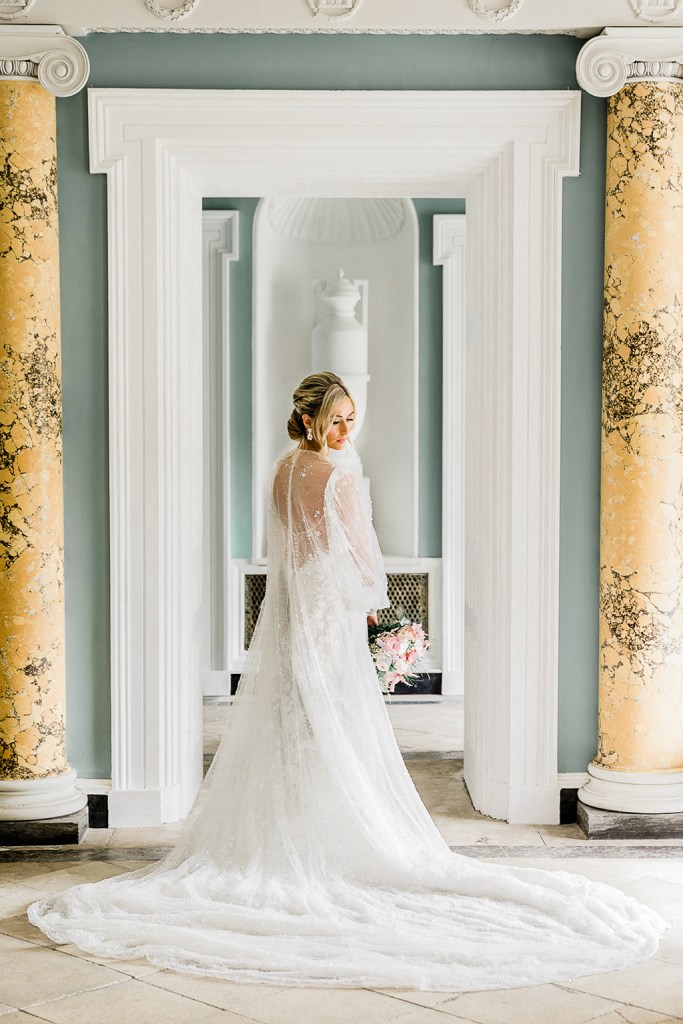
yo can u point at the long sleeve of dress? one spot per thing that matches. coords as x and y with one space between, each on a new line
352 537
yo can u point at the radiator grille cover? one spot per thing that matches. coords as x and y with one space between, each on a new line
408 594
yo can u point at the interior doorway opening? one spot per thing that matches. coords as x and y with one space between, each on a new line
507 154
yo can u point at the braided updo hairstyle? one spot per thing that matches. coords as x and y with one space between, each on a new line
317 396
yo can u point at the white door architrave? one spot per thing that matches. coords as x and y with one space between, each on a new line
505 153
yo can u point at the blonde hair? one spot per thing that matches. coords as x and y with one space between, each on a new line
317 396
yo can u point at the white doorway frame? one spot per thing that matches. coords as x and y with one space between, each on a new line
506 153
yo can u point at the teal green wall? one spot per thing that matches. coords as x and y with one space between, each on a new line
323 62
240 375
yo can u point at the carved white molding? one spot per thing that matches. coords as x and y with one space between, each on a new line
584 18
220 244
634 792
623 55
497 14
11 9
449 253
337 9
505 153
656 10
43 53
171 13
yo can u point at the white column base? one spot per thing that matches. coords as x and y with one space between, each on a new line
34 799
634 792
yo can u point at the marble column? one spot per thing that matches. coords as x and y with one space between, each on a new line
639 763
36 781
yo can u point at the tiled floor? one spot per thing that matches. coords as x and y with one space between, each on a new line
40 982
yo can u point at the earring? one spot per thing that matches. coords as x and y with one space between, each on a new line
309 435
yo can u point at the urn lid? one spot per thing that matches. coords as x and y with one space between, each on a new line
341 294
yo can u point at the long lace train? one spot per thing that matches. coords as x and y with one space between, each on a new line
309 858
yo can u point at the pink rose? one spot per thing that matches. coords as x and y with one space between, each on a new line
392 646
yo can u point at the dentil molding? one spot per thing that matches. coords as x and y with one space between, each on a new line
45 54
622 55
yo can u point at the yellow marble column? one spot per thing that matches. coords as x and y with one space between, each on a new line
639 764
641 541
35 778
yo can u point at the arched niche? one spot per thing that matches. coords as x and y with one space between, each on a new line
298 244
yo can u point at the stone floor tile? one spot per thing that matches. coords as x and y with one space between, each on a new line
17 1017
16 900
133 865
40 974
459 832
239 998
671 946
651 985
131 1001
432 1000
97 837
20 927
561 835
77 874
20 870
663 869
634 1015
11 946
163 835
538 1004
270 1004
665 897
132 968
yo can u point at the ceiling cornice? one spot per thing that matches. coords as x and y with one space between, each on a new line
583 18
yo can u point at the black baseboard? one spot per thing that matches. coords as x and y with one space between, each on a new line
426 682
569 800
98 810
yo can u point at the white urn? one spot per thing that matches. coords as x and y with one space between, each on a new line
340 341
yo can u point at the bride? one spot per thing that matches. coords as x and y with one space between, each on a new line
308 857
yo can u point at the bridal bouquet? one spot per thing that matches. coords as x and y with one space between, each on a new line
395 650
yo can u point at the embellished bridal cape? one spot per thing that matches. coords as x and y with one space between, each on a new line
308 857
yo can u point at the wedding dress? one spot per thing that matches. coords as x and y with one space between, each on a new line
308 857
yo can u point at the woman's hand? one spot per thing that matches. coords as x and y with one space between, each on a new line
372 618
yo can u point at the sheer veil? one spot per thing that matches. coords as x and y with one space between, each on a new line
308 857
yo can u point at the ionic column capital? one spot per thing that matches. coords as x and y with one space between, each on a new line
43 53
621 55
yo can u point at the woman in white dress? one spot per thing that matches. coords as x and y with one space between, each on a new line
309 857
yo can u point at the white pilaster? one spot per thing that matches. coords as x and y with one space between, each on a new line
449 252
220 241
